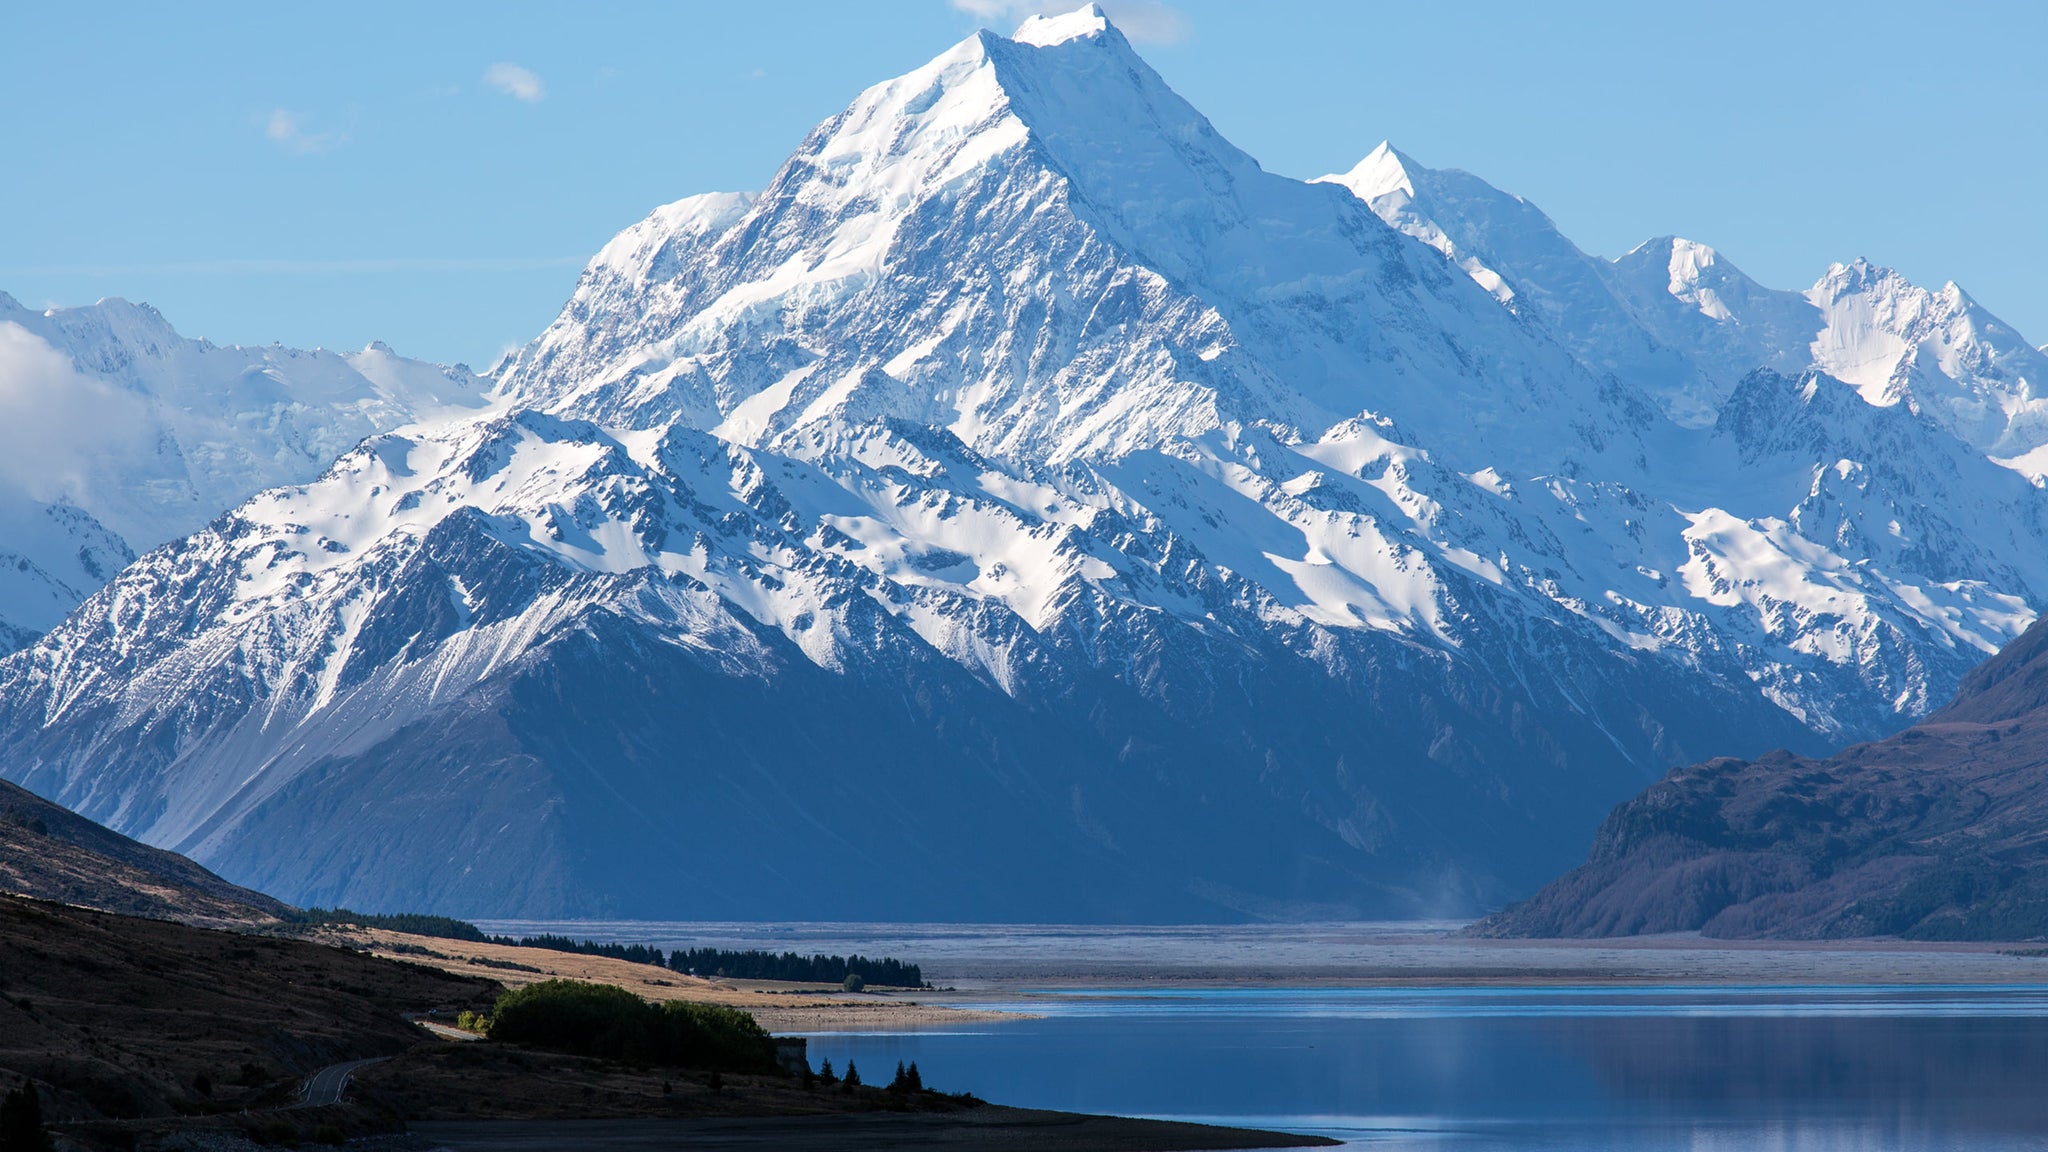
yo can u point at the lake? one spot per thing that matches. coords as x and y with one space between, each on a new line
1659 1066
1559 1068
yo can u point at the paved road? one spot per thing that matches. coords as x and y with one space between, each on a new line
444 1031
326 1086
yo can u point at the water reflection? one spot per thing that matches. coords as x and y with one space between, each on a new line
1641 1069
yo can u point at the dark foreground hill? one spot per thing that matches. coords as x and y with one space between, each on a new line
121 1018
49 852
1937 833
141 1033
137 1030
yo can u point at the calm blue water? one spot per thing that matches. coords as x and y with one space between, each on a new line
1792 1069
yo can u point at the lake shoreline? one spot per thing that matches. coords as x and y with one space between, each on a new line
1545 1069
1437 961
983 1129
986 974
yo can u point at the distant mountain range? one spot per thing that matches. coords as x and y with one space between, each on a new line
120 435
1680 322
1026 507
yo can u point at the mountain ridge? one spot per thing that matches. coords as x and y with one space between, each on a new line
1691 324
48 852
1932 833
1024 473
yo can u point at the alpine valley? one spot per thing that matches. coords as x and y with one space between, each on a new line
1028 508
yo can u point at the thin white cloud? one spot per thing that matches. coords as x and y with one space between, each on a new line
288 131
1144 21
516 82
56 422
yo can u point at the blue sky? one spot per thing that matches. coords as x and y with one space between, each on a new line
434 175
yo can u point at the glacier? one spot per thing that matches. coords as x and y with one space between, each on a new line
1026 507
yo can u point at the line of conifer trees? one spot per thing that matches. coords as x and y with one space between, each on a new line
634 953
756 965
412 923
748 964
751 964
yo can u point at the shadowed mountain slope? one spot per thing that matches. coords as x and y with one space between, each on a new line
1940 833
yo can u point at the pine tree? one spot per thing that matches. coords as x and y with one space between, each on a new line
915 1081
21 1122
852 1080
825 1072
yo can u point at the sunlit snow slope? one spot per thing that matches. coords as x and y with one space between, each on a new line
1026 507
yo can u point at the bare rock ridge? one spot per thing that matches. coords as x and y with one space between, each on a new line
1935 833
1025 506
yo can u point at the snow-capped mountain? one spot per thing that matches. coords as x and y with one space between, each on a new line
1028 507
1939 351
1511 249
1680 320
120 435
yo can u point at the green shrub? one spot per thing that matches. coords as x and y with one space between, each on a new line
613 1024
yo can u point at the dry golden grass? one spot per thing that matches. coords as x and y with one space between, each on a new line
780 1007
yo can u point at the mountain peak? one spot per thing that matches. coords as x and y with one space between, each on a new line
1384 170
1690 260
1046 31
1856 275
